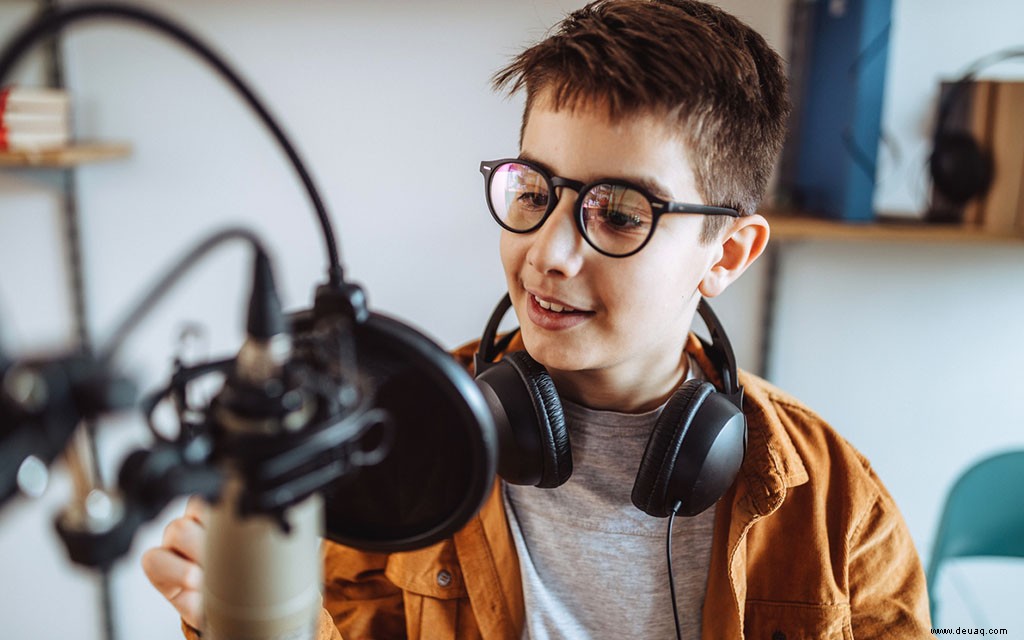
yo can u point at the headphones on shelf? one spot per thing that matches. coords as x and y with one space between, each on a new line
961 167
693 453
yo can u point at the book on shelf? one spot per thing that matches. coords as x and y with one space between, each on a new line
18 99
32 141
34 119
839 53
979 124
1004 202
970 112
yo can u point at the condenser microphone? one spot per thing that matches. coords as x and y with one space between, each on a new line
263 570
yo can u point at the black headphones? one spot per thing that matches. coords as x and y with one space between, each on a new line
692 456
961 168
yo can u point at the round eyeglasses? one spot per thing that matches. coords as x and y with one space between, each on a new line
615 217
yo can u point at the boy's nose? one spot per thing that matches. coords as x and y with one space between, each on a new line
557 247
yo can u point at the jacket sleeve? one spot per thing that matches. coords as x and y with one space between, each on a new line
360 600
326 630
888 594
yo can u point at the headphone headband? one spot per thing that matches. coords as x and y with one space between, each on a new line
720 350
486 352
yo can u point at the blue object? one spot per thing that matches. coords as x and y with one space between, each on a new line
983 516
841 108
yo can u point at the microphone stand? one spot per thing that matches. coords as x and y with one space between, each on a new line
288 422
323 422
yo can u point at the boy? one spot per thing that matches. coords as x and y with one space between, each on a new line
640 104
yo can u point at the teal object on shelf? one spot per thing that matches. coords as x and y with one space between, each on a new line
983 516
839 100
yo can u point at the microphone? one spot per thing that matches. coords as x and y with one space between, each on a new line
338 422
263 569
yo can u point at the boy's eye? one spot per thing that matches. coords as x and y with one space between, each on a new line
598 219
622 220
533 199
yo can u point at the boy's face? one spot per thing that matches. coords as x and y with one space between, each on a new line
631 314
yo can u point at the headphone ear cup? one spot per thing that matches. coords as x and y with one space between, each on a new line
960 168
663 445
533 443
693 454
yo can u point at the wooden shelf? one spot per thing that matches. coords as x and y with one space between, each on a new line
795 227
77 154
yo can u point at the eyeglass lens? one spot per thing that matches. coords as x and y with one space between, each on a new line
616 218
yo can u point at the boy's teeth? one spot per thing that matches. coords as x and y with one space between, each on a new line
550 306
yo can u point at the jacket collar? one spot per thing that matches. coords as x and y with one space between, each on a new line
771 464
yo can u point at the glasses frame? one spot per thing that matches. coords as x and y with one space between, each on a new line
659 206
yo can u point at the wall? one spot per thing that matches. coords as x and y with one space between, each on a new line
389 103
943 318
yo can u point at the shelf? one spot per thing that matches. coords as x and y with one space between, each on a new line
79 153
794 227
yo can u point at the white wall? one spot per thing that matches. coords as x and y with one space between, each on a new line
914 351
910 351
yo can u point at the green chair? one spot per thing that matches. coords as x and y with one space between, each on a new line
983 516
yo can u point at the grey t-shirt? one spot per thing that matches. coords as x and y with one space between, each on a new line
593 565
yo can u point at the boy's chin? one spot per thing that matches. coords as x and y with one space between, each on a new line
557 357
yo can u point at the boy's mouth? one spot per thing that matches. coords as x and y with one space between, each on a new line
552 315
553 306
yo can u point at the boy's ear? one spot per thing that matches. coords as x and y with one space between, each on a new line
741 244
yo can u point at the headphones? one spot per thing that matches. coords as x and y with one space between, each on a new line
693 453
961 168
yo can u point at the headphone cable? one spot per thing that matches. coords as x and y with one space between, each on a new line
671 578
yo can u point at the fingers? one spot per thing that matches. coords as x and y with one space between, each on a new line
170 573
177 579
175 567
186 537
190 605
197 509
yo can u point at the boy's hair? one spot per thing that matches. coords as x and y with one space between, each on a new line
708 74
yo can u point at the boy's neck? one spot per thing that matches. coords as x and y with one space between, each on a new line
633 390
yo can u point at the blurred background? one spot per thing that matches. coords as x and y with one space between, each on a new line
910 348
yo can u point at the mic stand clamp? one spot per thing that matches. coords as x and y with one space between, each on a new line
281 469
96 535
42 402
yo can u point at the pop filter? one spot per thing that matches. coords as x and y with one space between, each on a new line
443 455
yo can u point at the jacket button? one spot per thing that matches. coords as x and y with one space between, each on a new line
444 579
778 635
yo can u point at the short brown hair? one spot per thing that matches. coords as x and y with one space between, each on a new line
711 75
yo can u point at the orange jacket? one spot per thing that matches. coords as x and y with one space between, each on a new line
807 544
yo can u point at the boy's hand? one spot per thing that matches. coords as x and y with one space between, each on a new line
176 567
